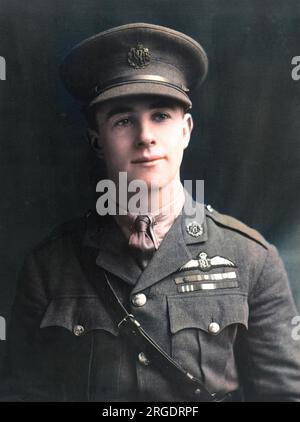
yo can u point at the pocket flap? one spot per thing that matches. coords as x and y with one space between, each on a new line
71 312
199 311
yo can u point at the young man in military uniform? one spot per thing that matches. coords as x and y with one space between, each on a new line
163 306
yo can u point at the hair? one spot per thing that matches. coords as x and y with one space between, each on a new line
89 114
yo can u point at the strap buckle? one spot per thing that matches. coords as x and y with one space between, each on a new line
129 318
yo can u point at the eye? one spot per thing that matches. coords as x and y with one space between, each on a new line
122 122
160 116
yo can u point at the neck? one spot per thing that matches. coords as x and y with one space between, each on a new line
163 199
156 200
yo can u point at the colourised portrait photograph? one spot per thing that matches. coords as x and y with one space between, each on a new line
150 179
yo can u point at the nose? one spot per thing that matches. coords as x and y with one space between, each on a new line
145 135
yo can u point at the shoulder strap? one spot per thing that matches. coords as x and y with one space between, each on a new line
236 225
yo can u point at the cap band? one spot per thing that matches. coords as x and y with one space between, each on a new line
137 78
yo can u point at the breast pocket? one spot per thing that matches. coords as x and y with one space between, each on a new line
78 315
203 332
77 336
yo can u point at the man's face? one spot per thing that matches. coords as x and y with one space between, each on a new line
144 136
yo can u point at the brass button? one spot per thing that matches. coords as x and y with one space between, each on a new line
139 300
209 208
214 328
78 330
143 359
197 392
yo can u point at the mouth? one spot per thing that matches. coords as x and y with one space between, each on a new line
148 160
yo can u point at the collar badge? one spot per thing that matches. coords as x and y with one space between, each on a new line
194 229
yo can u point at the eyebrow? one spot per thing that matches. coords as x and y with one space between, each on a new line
126 109
117 110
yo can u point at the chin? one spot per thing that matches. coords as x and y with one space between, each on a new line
152 183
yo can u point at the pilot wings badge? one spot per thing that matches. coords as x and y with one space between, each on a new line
205 264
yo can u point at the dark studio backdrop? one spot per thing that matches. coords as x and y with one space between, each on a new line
245 143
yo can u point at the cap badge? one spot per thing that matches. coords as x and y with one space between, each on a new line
194 229
139 57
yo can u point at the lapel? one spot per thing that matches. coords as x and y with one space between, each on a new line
173 251
104 234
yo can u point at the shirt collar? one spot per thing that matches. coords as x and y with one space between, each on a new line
162 219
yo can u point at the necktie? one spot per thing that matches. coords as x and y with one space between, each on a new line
142 239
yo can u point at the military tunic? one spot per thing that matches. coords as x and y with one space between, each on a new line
218 301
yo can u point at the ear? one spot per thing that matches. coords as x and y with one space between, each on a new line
94 141
188 125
